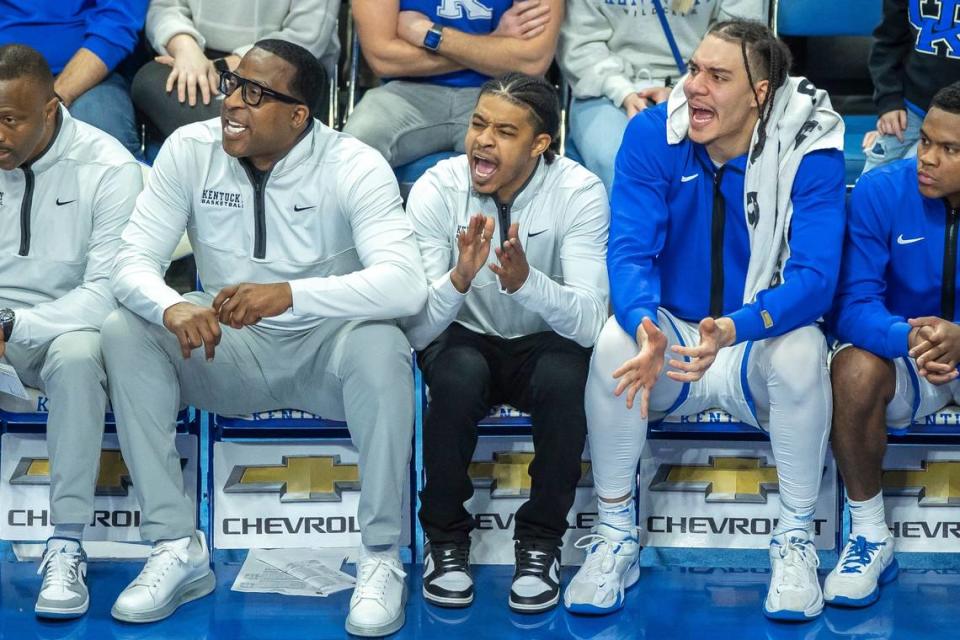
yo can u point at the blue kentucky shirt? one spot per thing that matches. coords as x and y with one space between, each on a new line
900 251
478 17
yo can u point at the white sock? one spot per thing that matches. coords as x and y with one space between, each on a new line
867 518
795 520
72 531
622 514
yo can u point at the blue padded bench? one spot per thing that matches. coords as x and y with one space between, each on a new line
411 172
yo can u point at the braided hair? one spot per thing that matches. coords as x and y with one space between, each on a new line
765 57
537 95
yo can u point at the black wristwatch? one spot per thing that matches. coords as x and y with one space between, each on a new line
434 37
7 316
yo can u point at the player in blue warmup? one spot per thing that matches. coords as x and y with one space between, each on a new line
726 229
895 316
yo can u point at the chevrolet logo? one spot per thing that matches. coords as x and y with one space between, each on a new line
935 484
721 480
297 479
113 479
506 475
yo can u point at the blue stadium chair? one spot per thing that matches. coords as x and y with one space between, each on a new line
826 17
411 172
830 18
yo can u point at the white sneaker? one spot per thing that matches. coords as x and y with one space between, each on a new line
794 592
376 607
176 572
612 566
863 567
63 593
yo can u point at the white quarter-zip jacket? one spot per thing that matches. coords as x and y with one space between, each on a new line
563 216
327 218
63 214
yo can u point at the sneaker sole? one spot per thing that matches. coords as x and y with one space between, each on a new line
447 602
383 630
793 615
61 613
540 607
583 608
887 576
193 590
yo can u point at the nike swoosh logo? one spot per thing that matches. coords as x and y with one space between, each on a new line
689 178
60 204
530 235
901 240
299 209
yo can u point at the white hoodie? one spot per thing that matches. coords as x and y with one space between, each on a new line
63 215
613 48
328 220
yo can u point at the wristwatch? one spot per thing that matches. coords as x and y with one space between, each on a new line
7 316
434 37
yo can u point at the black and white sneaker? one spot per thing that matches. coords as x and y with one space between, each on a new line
446 575
536 580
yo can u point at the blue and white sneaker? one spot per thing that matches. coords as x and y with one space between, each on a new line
794 592
64 591
612 566
864 566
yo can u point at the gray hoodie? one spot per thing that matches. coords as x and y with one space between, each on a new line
615 47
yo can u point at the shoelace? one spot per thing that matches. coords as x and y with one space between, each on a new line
373 574
859 555
597 563
161 558
451 558
59 568
533 561
797 559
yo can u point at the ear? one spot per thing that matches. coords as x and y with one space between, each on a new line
300 115
540 144
762 88
50 108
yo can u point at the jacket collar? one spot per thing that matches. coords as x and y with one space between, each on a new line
59 143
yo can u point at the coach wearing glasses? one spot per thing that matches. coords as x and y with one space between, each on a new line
306 257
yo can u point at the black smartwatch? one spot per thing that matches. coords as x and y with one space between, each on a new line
433 38
7 316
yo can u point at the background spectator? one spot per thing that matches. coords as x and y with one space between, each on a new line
83 42
618 60
180 85
425 106
916 51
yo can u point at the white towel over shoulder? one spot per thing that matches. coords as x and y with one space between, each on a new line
802 120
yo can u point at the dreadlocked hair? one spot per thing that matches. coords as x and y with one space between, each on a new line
537 95
765 57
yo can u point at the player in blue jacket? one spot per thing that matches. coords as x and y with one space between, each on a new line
895 316
724 249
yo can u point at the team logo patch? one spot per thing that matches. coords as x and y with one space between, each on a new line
938 27
934 484
297 479
221 198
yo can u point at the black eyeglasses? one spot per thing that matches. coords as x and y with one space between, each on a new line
251 92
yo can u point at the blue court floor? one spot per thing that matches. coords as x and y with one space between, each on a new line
670 603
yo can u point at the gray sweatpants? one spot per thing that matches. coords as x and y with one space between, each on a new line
408 120
69 370
358 372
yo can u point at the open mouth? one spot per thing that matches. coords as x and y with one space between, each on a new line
701 116
483 167
232 128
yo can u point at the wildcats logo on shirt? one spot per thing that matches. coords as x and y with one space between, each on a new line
221 199
938 26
